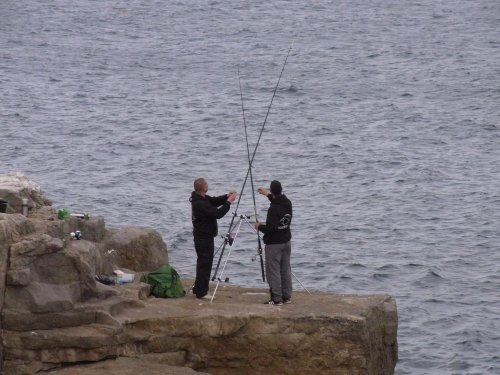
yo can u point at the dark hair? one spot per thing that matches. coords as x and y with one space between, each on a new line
276 187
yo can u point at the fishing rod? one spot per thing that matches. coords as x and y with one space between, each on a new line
226 240
259 244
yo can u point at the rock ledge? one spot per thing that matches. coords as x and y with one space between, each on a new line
55 318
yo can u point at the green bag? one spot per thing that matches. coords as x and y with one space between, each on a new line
63 213
165 282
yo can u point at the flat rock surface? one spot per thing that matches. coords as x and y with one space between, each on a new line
125 366
239 319
230 300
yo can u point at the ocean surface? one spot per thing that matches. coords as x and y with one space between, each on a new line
384 131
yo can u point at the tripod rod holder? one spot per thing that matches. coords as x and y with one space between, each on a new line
241 216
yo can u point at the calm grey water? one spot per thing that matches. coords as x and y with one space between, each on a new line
384 132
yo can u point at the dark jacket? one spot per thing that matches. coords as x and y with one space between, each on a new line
279 217
205 212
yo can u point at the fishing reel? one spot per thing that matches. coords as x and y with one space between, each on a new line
257 254
76 235
230 238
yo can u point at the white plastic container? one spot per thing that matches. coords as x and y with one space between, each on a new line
125 278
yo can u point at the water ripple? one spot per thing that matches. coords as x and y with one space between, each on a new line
384 132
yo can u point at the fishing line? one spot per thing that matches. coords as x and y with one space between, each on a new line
260 134
248 147
251 161
259 244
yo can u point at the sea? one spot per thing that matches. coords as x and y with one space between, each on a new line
384 131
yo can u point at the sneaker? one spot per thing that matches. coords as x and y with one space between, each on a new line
271 302
206 296
287 301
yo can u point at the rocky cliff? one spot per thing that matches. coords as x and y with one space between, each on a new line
55 318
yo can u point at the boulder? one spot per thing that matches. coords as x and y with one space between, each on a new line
12 228
45 219
46 274
16 186
47 271
137 249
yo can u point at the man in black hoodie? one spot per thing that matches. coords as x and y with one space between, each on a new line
205 212
278 248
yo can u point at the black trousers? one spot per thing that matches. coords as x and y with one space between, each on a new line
205 251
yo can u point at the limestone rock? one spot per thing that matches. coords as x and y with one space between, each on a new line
12 228
19 277
126 366
237 334
16 186
55 318
59 276
137 249
46 221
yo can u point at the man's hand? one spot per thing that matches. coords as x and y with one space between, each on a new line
262 191
231 197
257 225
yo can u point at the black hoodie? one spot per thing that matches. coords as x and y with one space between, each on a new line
279 216
205 212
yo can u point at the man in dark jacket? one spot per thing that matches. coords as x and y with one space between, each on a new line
205 212
278 248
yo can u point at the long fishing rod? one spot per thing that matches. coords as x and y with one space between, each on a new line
259 244
251 162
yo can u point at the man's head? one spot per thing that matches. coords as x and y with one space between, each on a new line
200 186
275 188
